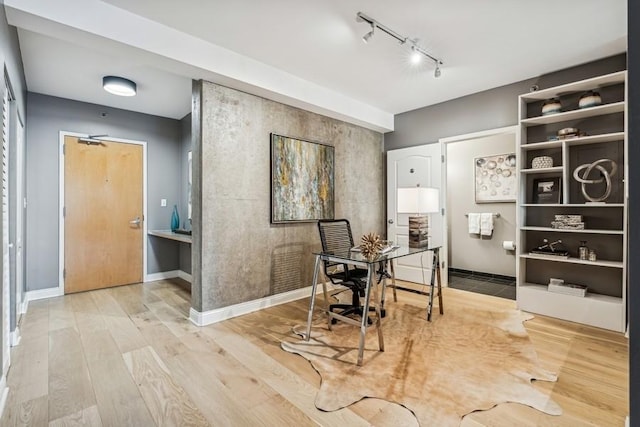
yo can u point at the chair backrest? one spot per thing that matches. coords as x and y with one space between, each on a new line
336 237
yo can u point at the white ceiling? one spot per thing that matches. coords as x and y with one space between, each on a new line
308 54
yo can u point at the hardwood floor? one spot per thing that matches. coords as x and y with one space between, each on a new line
128 356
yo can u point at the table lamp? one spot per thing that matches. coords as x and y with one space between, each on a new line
418 201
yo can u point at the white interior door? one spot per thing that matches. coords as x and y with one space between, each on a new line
409 167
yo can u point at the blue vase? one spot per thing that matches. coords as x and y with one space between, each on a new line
175 219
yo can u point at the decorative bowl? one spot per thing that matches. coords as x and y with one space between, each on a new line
542 162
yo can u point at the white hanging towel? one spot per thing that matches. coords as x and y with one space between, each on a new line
486 224
474 223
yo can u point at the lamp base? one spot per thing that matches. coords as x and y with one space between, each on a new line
418 231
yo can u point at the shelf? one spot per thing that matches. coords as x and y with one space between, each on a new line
557 230
581 140
600 110
590 296
576 87
542 145
600 263
168 234
571 205
603 311
542 170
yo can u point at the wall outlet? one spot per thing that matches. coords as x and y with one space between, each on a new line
163 202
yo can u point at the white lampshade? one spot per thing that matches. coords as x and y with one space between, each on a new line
418 200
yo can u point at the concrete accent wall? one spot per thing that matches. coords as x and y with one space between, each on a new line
244 257
46 117
471 251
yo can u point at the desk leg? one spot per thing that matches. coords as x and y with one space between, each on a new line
437 255
434 267
365 311
314 285
393 281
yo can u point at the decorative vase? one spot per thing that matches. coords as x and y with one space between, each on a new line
175 219
551 106
589 99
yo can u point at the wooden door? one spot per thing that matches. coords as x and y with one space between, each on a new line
103 186
408 167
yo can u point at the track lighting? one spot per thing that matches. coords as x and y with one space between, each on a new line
416 50
415 55
367 36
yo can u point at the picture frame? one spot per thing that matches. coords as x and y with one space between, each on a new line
495 178
302 180
547 190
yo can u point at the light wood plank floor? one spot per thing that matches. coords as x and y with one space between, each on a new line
128 356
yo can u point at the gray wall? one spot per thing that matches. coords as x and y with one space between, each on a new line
471 251
185 147
47 116
244 257
490 109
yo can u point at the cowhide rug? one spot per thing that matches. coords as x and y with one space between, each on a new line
461 362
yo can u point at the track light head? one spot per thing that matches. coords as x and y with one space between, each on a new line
367 36
416 56
437 73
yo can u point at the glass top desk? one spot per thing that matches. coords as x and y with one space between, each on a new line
355 258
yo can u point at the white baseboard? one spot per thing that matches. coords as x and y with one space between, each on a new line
15 337
161 275
185 276
224 313
627 422
4 392
40 294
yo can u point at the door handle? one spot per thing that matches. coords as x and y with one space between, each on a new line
390 221
135 221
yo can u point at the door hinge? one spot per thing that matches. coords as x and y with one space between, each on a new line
64 273
64 212
442 157
442 211
442 264
64 149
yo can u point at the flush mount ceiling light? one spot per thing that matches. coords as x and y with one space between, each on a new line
416 49
119 86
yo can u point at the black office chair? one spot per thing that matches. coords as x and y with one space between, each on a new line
336 237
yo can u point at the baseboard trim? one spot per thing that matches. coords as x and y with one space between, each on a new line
40 294
219 314
161 275
184 276
4 390
15 337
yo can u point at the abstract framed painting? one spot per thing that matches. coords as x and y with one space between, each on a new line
302 180
495 178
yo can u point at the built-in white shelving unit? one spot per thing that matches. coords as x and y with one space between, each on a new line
602 135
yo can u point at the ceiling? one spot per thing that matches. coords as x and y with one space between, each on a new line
306 54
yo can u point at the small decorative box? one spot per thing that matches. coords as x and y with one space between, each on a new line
542 162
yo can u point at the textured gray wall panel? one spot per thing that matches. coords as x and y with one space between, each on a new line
244 257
